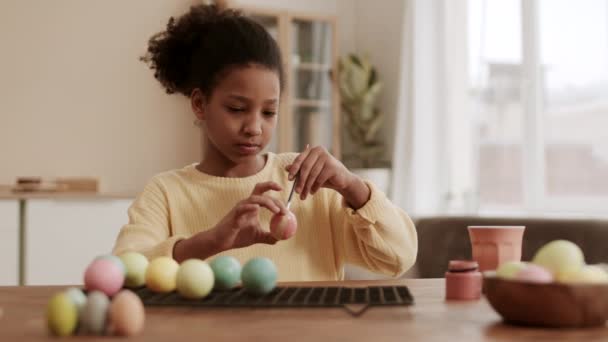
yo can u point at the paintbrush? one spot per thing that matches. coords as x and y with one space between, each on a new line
293 188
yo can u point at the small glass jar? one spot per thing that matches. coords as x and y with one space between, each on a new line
463 281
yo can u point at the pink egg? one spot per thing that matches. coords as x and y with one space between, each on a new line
534 274
282 227
105 276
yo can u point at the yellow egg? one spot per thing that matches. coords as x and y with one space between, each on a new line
126 314
194 279
161 273
62 315
560 256
588 274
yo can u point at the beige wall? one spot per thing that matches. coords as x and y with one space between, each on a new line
76 101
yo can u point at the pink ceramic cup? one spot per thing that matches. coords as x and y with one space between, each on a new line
493 245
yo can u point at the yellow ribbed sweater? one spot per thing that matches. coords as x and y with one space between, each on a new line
177 204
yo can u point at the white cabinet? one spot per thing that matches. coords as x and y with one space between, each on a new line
64 236
9 242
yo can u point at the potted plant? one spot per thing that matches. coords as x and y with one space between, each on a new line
359 89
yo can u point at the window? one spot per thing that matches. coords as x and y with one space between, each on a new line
538 80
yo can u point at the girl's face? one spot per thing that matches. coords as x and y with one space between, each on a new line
241 113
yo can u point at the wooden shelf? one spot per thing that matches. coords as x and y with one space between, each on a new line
312 66
311 103
294 33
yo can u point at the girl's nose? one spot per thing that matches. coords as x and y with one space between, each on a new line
253 125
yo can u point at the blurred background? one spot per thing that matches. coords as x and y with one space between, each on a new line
474 108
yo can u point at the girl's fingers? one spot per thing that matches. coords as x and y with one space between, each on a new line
295 166
321 180
265 202
281 205
312 177
266 238
305 169
246 207
261 188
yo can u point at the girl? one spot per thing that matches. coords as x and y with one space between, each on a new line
230 69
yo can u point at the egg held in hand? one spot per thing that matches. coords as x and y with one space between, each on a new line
283 226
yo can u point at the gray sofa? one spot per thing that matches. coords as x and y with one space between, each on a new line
441 239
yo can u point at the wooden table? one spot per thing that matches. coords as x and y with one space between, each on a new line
431 318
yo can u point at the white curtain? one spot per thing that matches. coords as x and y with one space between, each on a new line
432 117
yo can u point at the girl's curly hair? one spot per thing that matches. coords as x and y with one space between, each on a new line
196 49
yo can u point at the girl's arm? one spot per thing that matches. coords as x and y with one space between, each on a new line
149 228
369 230
378 236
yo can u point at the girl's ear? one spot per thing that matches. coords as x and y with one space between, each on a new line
198 103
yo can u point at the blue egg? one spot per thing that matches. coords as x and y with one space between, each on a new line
227 272
259 276
77 297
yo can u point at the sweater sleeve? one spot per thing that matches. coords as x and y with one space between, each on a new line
378 236
148 230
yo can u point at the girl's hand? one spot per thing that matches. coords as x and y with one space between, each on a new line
241 226
317 169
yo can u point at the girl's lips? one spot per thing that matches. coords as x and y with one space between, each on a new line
248 148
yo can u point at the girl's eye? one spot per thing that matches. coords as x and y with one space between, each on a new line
235 109
270 113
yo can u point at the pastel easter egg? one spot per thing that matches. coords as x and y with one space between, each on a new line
61 315
588 274
161 274
94 314
535 274
226 271
560 256
194 279
104 275
136 265
259 276
116 260
282 227
126 314
77 297
509 269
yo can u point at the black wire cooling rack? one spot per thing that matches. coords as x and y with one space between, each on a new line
354 299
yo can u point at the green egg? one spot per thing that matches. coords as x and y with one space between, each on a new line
62 315
136 265
116 260
227 272
259 276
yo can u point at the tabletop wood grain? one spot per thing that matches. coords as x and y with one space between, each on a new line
431 318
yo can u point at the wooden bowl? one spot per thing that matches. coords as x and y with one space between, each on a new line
547 305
